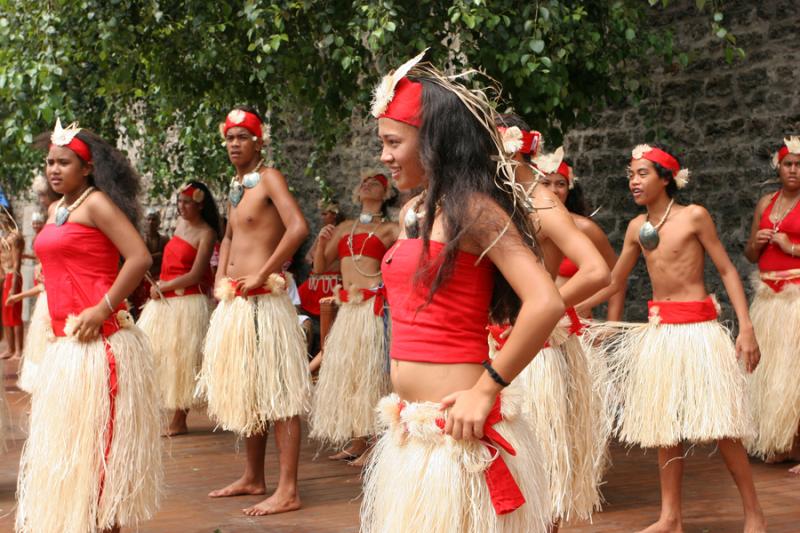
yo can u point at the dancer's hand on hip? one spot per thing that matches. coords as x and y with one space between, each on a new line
468 410
246 284
88 323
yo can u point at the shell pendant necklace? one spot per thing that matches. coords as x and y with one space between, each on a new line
777 222
249 181
63 211
648 234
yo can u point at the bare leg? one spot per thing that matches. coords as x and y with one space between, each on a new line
736 460
554 527
670 474
314 364
19 338
286 497
114 529
9 337
252 481
178 424
354 449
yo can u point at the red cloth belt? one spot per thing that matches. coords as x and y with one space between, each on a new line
252 292
575 324
504 491
778 285
496 330
186 291
683 312
379 294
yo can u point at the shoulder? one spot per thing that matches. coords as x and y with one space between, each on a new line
272 178
697 213
764 201
588 226
635 223
99 202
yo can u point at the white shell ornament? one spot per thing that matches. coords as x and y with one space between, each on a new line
251 179
411 223
236 192
648 236
62 214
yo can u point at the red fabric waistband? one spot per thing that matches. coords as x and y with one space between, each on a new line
253 292
504 491
668 312
379 294
496 330
186 291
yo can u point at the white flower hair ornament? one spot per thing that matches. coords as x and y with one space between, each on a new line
63 136
554 164
512 140
383 94
791 145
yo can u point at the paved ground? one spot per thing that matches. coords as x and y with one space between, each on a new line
204 460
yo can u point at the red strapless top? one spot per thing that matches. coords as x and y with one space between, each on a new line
363 244
449 329
178 259
567 268
773 258
79 264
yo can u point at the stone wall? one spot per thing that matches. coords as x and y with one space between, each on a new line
722 120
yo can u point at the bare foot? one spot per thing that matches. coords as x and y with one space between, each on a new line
777 458
6 355
664 526
277 503
240 487
15 356
755 523
795 470
356 449
359 461
174 431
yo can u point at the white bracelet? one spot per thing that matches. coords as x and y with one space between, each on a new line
108 302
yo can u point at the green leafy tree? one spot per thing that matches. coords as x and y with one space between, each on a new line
159 75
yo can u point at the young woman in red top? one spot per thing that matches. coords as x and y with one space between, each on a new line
455 455
92 460
177 315
353 375
775 245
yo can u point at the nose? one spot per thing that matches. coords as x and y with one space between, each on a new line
386 156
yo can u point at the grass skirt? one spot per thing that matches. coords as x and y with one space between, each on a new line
176 328
676 382
420 480
71 480
5 419
774 386
255 366
353 376
560 402
35 344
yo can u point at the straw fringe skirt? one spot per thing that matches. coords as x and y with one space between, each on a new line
420 480
560 402
774 387
35 344
176 328
72 478
677 382
255 366
353 376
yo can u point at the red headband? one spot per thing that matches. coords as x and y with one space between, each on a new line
565 171
196 194
406 106
783 152
530 140
664 159
380 177
80 148
243 119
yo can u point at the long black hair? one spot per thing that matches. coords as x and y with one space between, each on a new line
459 156
208 211
112 173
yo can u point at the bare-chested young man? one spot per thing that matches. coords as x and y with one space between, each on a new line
255 368
558 383
12 246
679 376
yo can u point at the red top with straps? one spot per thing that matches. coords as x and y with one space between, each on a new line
449 329
79 264
178 259
567 268
773 258
363 244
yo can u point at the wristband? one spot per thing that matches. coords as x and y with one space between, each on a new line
108 302
494 375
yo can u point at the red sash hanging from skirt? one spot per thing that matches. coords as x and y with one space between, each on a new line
497 330
379 294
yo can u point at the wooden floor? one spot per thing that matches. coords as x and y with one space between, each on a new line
204 460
